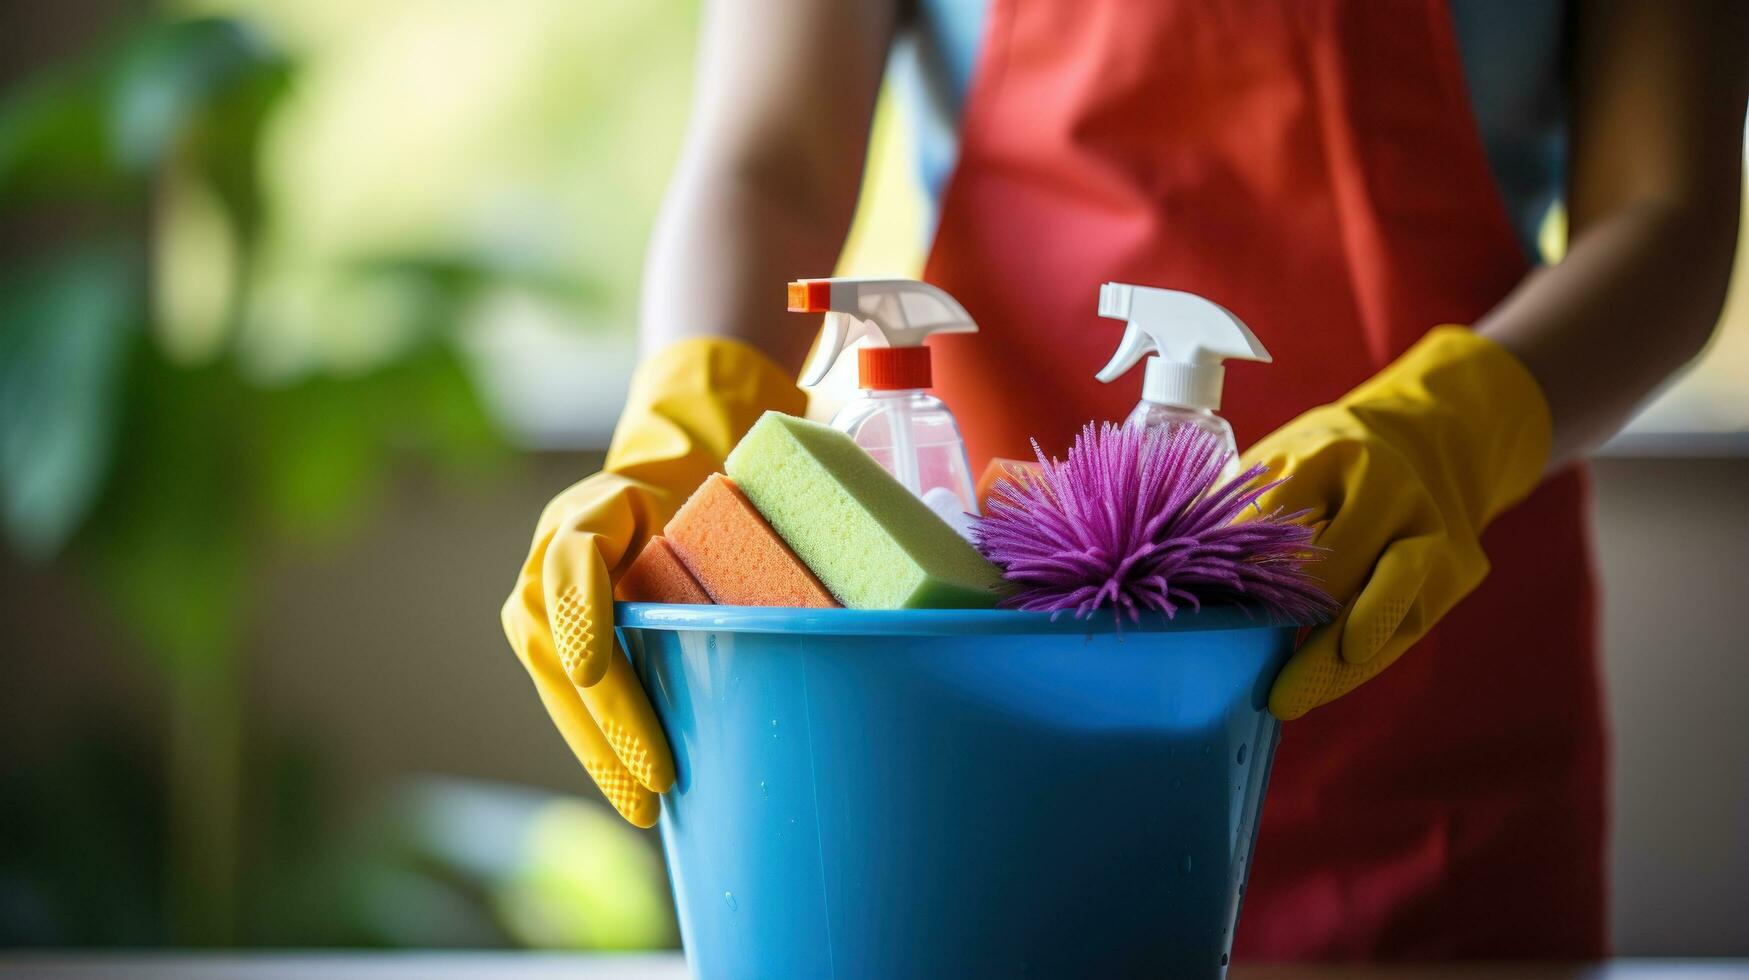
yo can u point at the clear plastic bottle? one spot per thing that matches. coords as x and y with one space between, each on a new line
1151 415
914 436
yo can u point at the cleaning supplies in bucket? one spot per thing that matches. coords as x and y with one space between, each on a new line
802 845
906 429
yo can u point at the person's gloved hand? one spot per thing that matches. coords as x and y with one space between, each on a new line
1403 473
687 408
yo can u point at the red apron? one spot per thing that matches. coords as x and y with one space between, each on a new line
1312 166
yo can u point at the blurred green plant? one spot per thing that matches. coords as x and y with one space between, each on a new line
166 476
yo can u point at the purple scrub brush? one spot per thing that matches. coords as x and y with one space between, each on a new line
1136 519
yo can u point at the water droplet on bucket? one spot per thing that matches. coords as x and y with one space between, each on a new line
1177 782
710 641
1241 754
729 900
1185 865
763 791
1207 749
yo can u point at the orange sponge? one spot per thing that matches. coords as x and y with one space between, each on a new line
657 575
1001 468
735 555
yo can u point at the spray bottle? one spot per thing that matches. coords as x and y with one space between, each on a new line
1188 337
907 430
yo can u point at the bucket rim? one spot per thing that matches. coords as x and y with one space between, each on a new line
926 622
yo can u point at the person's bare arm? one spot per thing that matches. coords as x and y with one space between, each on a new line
767 181
1653 183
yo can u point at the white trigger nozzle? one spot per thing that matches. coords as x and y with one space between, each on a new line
1188 337
888 312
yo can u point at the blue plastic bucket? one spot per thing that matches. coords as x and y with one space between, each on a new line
958 792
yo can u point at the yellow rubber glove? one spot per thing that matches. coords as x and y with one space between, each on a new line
687 408
1403 473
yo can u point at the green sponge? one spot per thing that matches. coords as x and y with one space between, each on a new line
872 543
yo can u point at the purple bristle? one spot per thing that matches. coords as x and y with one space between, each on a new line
1137 519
